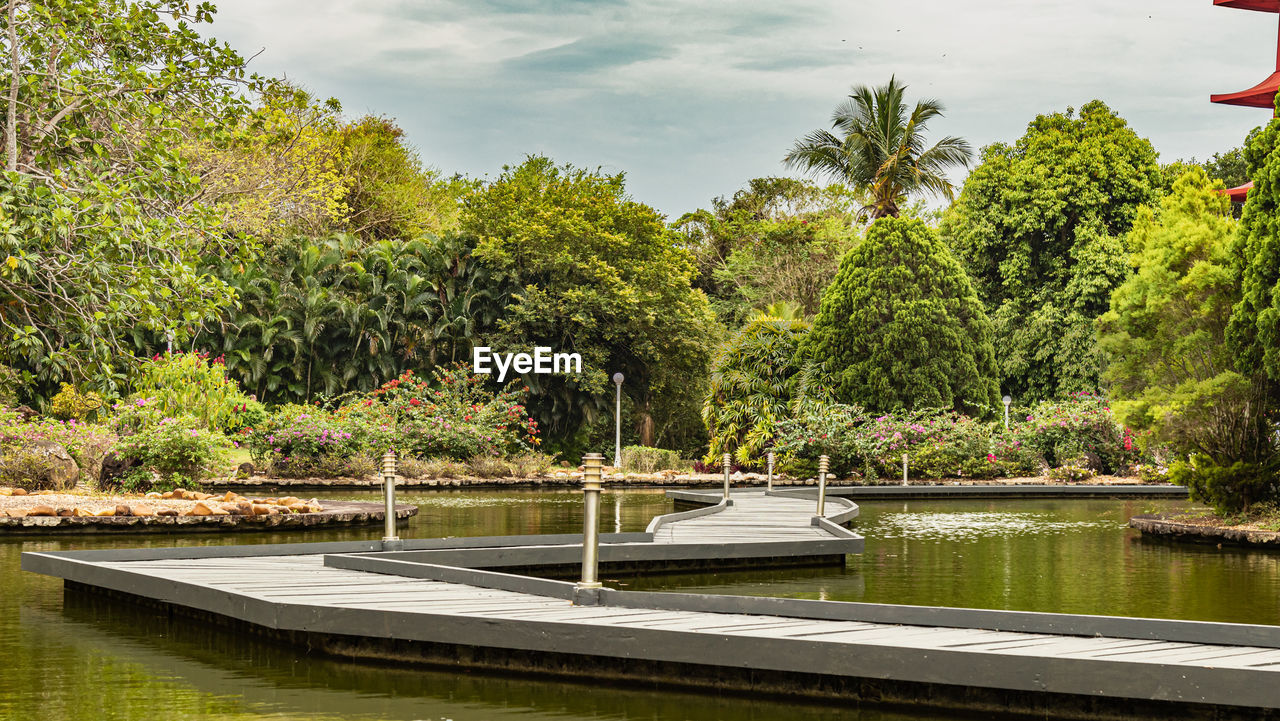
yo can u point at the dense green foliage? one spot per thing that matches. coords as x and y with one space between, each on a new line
324 317
1079 432
878 147
777 241
99 237
752 385
1171 370
596 273
1040 227
900 327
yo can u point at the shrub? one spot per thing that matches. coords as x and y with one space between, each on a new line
305 442
900 327
456 417
71 405
1228 488
86 443
641 459
174 446
191 383
1068 432
432 468
751 387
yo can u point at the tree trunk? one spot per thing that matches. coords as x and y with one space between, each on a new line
11 114
645 426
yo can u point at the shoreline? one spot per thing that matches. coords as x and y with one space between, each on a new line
637 480
1183 529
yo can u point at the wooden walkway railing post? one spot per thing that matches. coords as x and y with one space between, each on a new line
590 528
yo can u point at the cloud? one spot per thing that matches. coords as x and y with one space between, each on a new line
692 98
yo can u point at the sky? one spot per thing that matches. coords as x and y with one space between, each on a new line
693 98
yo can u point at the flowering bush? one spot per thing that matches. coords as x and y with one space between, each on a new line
1079 431
192 383
169 446
942 444
71 405
455 417
302 441
86 443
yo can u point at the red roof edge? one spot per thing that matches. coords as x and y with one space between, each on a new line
1239 193
1262 95
1266 6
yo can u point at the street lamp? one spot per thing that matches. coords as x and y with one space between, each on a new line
617 423
1007 400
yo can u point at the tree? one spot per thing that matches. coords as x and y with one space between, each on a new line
390 195
1255 323
777 241
1040 225
279 172
901 328
752 383
596 273
881 149
1170 368
99 228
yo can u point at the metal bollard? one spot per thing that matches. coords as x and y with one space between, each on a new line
824 464
591 520
771 458
904 469
390 541
728 464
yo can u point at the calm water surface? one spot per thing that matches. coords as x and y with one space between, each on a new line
66 659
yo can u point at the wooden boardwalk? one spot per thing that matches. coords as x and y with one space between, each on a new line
439 594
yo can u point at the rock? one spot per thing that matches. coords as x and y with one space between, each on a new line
200 509
106 512
167 512
59 470
123 510
229 497
64 512
16 513
79 512
737 476
112 467
244 470
197 496
19 491
298 507
238 509
288 501
261 510
41 510
154 494
142 509
27 412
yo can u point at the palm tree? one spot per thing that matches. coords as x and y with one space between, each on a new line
882 149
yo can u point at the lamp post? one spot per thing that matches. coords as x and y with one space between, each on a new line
824 464
617 424
590 520
1007 400
728 465
390 541
771 459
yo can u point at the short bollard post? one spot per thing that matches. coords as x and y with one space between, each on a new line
824 464
770 462
390 541
904 469
590 528
728 464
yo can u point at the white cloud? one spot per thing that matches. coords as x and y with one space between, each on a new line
692 97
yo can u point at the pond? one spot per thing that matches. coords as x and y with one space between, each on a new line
64 660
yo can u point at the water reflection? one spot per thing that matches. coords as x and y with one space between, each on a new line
76 659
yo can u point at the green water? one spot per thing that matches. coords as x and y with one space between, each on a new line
67 659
